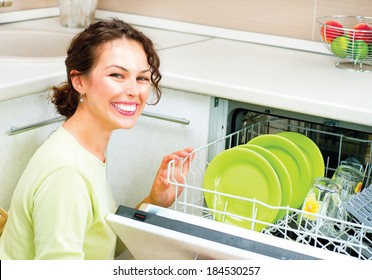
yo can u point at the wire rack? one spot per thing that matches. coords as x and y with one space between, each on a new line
346 40
354 237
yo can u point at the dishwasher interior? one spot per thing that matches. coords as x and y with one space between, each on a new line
340 143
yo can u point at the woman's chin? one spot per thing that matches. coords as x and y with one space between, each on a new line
127 124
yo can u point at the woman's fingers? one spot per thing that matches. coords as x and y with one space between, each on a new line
163 190
176 155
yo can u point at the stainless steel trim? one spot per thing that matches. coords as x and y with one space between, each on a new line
166 118
16 130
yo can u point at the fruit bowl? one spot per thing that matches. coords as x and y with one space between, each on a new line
350 39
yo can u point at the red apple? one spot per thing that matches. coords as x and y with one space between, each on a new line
331 30
363 32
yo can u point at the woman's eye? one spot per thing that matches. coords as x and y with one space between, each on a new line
143 79
116 75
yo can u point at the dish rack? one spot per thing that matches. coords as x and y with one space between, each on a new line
355 238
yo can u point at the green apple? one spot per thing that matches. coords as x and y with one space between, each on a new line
339 46
359 50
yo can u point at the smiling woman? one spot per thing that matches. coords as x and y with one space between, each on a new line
59 206
121 80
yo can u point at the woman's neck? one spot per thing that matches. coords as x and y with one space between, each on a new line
89 135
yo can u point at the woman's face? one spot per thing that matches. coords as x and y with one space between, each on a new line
117 88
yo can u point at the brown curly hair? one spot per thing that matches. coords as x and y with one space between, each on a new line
83 54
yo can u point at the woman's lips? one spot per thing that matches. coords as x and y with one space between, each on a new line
126 109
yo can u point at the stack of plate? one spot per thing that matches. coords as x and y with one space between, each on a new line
277 170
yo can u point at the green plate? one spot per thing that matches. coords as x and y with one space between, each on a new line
310 149
293 159
281 171
243 173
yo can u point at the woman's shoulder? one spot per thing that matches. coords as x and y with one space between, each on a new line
62 150
56 148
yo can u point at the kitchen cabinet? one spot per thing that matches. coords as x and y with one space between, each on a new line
134 156
17 149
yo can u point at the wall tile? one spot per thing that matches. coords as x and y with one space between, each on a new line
290 18
265 16
341 7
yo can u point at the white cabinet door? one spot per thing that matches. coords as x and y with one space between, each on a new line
17 149
134 155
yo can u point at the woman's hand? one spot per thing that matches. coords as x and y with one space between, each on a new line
163 193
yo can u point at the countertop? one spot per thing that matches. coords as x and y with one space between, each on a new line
278 77
273 77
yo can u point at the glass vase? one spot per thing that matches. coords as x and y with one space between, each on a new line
77 13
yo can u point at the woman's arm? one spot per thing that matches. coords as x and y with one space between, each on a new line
61 215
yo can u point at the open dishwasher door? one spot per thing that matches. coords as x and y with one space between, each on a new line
159 233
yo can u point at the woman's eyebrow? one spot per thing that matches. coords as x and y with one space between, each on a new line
125 69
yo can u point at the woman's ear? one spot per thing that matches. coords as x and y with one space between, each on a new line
76 80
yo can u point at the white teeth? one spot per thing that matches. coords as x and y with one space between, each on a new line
127 108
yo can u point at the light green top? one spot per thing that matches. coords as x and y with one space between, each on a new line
59 206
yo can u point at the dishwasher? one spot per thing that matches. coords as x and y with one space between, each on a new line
192 230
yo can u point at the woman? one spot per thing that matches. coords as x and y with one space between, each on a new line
59 206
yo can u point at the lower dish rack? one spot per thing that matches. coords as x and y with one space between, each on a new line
354 238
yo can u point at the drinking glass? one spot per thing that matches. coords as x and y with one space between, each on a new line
350 179
323 208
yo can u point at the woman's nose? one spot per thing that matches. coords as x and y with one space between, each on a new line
132 88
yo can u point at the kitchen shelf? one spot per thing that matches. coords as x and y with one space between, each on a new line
355 239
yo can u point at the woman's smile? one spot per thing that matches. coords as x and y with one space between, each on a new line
125 108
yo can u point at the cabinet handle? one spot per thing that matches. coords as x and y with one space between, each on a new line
166 118
16 130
